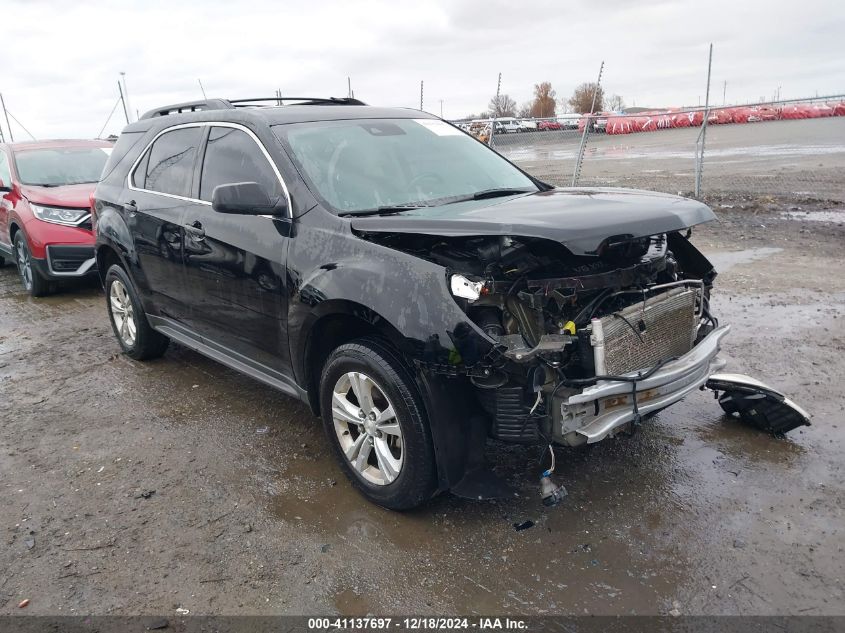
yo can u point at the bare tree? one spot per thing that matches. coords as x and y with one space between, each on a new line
544 101
582 98
615 103
525 110
503 106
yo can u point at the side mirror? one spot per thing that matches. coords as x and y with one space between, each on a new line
245 198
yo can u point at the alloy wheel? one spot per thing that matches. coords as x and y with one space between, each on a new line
122 313
24 264
367 428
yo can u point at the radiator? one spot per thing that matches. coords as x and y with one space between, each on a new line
647 332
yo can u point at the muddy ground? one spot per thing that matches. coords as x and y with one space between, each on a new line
145 487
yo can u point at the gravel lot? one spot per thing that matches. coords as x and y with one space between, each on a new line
134 488
803 157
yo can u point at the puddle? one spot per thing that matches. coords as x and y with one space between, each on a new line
354 603
738 154
836 216
724 261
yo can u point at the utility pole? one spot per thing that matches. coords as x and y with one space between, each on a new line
493 114
6 114
126 99
349 92
441 108
421 95
123 101
724 91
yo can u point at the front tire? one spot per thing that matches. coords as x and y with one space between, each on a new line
31 279
375 422
136 337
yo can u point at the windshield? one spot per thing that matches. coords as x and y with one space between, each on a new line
61 165
363 165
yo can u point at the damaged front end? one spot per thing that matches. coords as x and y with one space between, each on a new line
584 346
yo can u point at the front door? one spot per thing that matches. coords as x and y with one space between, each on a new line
235 264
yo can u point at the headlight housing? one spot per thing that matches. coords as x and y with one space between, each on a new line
58 215
466 288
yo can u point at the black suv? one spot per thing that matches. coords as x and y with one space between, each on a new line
416 289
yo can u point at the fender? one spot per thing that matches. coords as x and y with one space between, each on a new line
111 232
416 302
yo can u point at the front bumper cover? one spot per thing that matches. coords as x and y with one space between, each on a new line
596 411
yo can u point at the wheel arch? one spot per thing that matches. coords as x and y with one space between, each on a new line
337 322
107 255
14 227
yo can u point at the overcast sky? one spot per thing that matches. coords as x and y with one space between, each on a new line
61 59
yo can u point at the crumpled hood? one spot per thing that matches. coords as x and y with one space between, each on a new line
72 196
580 218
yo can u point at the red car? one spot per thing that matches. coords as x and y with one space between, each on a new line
548 125
45 215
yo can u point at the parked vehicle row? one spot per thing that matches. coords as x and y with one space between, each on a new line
511 125
416 289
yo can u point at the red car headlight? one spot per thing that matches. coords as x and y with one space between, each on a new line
59 215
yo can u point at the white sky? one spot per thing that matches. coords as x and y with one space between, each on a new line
61 59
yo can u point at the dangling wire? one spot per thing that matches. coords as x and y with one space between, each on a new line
536 403
551 469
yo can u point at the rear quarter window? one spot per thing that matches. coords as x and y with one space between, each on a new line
125 143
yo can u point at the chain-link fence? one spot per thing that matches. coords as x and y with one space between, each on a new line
786 148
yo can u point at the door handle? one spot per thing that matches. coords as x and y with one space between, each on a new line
130 208
195 229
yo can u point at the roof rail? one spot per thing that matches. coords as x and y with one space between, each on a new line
229 104
189 106
241 103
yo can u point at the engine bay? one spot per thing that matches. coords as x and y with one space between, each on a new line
537 300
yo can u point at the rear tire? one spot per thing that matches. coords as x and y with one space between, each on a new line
376 424
129 323
31 279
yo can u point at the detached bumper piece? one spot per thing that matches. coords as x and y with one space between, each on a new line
70 261
598 411
757 404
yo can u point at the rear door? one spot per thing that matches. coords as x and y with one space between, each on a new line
155 204
235 264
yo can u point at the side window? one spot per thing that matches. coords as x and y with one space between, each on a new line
169 164
5 173
140 174
233 156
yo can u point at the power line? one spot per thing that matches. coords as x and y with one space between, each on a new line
110 116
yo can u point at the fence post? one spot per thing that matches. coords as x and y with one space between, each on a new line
699 151
577 172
